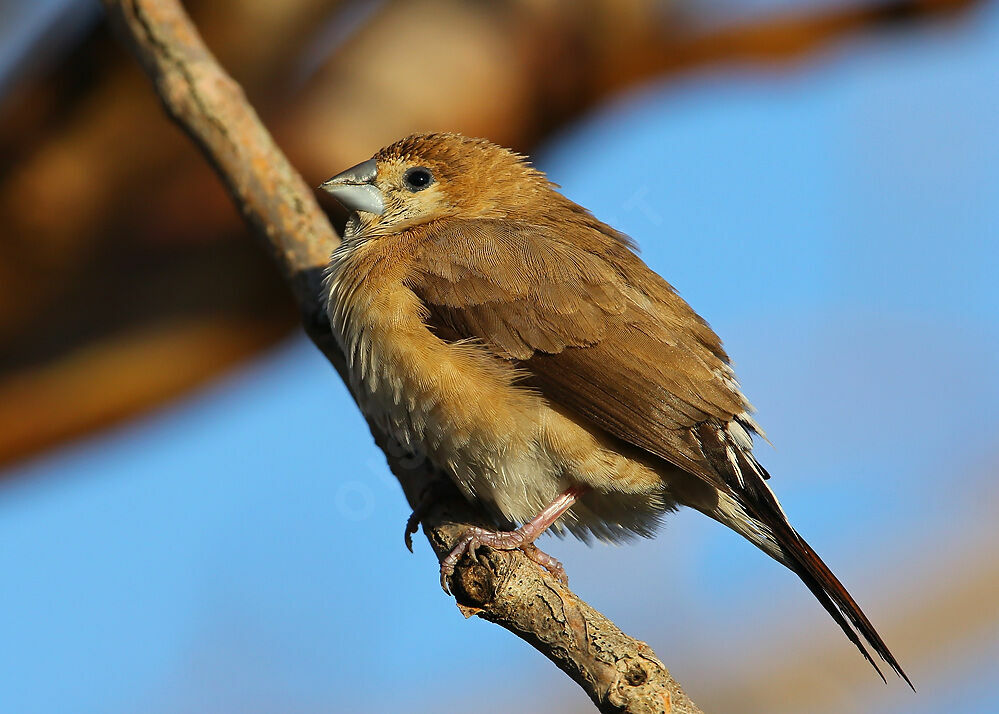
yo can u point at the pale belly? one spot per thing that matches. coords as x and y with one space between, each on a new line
493 457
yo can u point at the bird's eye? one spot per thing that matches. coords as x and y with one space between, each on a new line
418 179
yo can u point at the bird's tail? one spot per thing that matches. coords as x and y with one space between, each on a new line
762 522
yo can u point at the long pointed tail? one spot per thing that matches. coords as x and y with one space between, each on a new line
834 597
760 519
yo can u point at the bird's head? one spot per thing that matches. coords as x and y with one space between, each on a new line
427 177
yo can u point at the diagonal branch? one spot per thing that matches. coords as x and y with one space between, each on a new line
619 673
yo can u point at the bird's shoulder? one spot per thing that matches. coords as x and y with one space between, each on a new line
572 303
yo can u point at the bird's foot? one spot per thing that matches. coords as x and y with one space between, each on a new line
520 539
431 494
477 537
548 562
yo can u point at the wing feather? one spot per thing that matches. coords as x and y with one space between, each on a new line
595 330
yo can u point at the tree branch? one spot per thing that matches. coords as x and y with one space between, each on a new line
619 673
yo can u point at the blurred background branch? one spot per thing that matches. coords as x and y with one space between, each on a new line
144 248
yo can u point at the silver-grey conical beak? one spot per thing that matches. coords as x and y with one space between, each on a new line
355 188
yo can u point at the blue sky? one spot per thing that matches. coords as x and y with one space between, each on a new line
241 550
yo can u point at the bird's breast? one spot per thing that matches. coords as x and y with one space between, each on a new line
451 402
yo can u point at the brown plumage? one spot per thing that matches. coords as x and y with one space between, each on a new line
521 345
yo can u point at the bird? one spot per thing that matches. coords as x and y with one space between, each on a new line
501 331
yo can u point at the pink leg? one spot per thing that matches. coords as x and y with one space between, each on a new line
523 538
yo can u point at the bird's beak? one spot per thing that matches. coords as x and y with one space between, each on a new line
355 188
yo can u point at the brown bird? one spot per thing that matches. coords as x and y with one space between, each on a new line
500 330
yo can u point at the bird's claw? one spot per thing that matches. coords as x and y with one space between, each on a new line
466 544
549 563
476 537
412 526
473 549
427 499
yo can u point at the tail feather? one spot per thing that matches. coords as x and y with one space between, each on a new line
836 600
763 522
747 505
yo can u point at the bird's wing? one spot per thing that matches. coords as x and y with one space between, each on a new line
596 331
